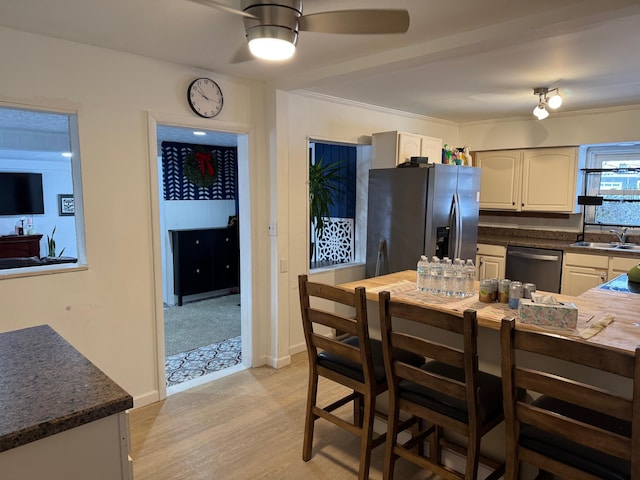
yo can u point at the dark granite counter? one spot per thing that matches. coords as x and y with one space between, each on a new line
621 284
47 387
549 239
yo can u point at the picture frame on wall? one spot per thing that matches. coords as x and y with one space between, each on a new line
66 205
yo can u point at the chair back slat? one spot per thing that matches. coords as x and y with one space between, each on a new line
592 355
556 382
431 380
579 432
441 320
428 349
332 320
335 346
572 391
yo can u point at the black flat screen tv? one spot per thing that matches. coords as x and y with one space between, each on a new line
21 193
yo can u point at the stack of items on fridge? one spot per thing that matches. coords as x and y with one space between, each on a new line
446 278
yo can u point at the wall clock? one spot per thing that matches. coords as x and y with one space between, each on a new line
205 97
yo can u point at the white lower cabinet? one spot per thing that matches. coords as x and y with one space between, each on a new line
620 265
490 261
97 450
581 272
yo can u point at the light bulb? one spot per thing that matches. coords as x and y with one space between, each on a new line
555 101
272 48
540 112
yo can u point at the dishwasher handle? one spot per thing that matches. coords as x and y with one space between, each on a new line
533 256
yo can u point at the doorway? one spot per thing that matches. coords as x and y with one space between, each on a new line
202 332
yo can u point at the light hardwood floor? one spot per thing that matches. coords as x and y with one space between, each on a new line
247 426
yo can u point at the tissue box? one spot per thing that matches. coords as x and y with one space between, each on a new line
562 315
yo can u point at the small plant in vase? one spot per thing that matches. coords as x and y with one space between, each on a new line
51 244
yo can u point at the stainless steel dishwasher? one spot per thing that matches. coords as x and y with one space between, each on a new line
541 266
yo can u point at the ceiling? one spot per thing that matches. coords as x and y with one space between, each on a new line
461 60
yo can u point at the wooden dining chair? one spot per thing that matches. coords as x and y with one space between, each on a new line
448 393
355 361
574 428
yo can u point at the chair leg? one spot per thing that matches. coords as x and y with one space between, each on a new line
358 408
367 435
473 456
512 465
435 449
310 417
390 457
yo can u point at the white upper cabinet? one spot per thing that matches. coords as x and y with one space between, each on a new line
532 180
393 148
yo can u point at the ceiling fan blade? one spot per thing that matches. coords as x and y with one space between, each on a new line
242 54
368 21
223 7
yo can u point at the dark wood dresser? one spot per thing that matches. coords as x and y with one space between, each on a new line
204 259
12 246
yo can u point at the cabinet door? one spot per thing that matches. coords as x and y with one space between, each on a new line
549 179
225 258
409 145
431 148
490 267
500 180
577 280
620 265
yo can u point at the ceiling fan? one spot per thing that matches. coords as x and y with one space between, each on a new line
272 26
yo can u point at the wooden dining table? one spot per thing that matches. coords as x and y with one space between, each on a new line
593 305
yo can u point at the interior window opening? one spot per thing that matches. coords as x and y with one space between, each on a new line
40 190
334 204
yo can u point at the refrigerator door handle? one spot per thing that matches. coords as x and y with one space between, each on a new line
457 226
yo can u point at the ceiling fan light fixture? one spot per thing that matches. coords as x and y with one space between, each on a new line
271 42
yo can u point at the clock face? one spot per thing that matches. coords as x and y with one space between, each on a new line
205 97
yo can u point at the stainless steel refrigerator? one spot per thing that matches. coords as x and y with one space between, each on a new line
429 211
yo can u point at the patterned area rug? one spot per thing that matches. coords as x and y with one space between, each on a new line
203 360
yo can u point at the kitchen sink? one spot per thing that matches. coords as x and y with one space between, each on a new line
607 245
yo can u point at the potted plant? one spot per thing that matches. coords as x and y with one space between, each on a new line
322 188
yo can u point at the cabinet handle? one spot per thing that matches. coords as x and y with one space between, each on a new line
197 270
226 239
603 276
197 242
228 267
513 203
522 205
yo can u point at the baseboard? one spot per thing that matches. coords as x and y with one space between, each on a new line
146 399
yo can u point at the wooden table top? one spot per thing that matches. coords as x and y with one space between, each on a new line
622 333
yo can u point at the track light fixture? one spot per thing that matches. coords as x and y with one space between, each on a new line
546 98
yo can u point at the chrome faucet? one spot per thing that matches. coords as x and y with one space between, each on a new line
621 233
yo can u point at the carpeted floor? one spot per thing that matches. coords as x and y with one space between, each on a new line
202 337
201 323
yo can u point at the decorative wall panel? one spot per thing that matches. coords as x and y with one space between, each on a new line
177 187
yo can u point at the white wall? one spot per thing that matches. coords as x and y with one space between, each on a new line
316 117
108 312
56 178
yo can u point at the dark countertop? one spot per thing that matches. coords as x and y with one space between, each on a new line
47 387
621 284
547 239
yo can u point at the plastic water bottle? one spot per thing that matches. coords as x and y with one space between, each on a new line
447 277
459 283
470 278
421 277
435 276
